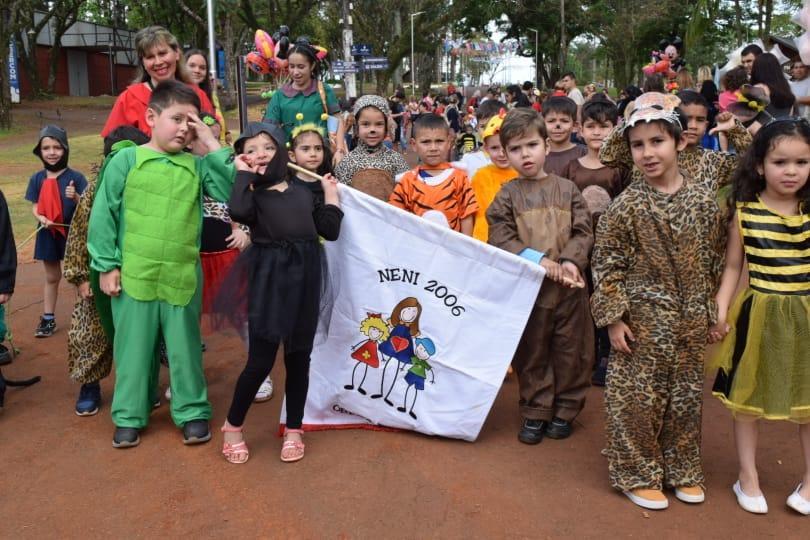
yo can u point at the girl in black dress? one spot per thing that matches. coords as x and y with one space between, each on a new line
284 277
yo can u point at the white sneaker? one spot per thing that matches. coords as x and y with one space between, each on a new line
265 391
755 505
690 498
799 503
168 393
649 504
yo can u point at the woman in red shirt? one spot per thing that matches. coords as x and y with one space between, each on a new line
159 56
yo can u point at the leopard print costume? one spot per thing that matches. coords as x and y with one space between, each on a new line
656 265
89 351
713 167
365 157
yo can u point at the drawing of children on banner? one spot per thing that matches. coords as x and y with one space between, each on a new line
424 349
404 325
365 352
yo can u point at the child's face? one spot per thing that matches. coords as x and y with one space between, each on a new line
594 132
697 122
496 152
371 126
432 145
408 314
51 150
374 333
527 154
655 151
160 62
300 69
786 167
559 126
308 151
170 130
260 150
421 352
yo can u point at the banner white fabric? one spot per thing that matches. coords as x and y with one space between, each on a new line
424 324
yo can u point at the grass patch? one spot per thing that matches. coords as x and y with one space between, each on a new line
8 133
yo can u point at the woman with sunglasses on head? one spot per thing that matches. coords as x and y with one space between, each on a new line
307 95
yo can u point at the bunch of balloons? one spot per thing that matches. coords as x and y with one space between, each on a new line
270 56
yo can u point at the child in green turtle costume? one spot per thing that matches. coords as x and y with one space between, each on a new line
144 240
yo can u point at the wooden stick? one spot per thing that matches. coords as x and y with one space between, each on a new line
295 167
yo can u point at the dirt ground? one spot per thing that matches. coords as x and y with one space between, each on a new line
62 478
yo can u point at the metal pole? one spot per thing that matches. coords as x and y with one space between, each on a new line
348 38
212 63
413 64
241 92
536 62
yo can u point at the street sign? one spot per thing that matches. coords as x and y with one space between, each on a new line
373 63
361 49
342 67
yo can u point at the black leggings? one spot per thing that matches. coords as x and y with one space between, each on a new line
261 356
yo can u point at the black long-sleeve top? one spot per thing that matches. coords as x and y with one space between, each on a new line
272 215
8 250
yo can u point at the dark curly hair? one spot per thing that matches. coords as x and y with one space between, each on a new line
747 183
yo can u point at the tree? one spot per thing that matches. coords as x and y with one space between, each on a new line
11 22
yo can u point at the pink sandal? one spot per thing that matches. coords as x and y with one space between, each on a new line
234 452
292 450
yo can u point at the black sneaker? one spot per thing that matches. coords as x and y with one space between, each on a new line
559 429
126 437
196 432
89 399
532 431
46 327
5 355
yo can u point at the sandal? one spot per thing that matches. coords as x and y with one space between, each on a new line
292 450
234 452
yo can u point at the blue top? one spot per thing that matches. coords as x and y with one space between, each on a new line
51 246
68 205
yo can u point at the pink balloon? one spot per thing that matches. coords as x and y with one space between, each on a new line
264 44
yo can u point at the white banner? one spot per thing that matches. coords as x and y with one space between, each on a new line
424 325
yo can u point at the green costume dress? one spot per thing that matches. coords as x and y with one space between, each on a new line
287 102
146 221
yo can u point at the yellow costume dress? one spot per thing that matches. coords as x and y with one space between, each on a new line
764 362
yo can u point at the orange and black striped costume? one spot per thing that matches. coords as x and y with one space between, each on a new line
453 197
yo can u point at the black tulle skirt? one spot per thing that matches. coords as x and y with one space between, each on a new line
280 290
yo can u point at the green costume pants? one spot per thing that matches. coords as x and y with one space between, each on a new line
138 326
3 328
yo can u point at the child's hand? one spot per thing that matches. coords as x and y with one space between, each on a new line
571 271
85 292
45 222
329 184
244 163
238 239
718 331
70 192
553 270
725 121
619 333
202 132
110 282
5 297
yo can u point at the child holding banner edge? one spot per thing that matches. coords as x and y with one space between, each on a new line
543 218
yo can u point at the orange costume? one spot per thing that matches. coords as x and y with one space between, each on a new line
448 192
486 183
